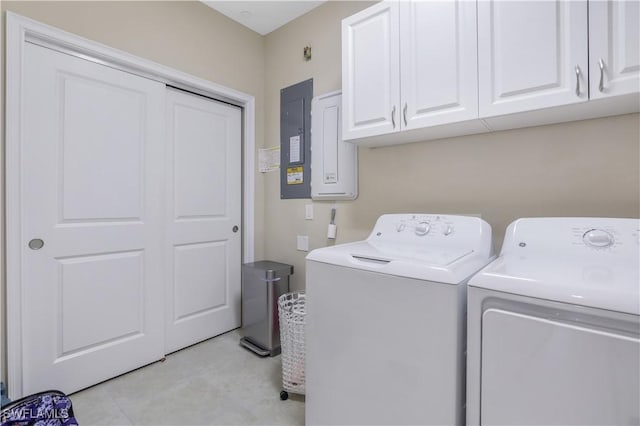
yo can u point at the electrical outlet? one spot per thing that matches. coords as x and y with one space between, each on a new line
303 242
308 211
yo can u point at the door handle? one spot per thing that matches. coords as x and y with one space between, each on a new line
404 114
36 244
601 85
235 228
393 116
577 80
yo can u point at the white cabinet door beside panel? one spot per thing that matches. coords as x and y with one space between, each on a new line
438 63
614 48
334 162
91 184
203 219
370 72
531 55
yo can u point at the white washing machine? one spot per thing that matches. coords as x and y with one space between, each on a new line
553 326
385 324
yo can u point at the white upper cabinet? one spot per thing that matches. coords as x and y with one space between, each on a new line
438 62
409 65
370 68
614 48
531 55
419 70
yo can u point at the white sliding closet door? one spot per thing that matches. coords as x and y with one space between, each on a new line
203 218
92 166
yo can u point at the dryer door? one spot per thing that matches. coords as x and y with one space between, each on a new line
537 371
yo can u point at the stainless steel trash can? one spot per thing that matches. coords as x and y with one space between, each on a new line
262 283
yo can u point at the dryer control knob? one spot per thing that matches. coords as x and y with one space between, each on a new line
598 238
448 230
423 228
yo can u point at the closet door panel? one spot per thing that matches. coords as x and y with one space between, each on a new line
203 219
92 201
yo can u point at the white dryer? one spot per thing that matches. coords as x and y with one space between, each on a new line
385 324
553 326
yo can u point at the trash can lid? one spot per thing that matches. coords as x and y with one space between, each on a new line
269 269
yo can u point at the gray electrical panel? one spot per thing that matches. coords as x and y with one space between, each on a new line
295 140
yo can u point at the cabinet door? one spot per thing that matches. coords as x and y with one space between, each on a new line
438 62
370 72
614 48
531 55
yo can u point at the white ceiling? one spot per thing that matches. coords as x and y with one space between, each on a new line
263 16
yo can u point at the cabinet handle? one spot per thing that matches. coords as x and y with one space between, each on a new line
601 65
393 116
404 114
577 80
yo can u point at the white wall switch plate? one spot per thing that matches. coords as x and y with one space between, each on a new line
303 243
308 211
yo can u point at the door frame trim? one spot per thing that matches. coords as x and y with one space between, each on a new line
21 30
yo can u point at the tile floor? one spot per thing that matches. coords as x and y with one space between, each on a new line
215 382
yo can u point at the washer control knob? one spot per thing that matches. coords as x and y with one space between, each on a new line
422 228
400 227
448 230
598 238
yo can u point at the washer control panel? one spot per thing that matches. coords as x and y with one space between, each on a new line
430 229
422 225
598 236
577 235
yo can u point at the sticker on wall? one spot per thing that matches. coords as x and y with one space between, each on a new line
269 159
294 149
330 177
295 175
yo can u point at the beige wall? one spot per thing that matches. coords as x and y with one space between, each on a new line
585 168
185 35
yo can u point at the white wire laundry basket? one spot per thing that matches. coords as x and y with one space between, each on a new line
291 313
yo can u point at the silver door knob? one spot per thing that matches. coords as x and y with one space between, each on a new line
235 228
36 244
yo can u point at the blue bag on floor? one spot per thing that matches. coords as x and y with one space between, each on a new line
50 408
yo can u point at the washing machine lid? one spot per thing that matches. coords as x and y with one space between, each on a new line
444 265
592 262
433 256
452 249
